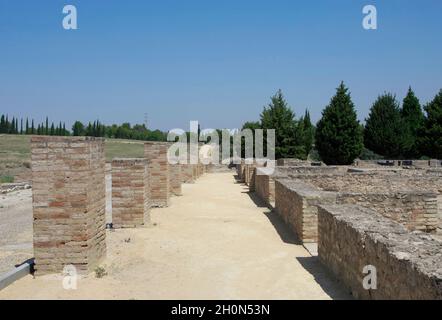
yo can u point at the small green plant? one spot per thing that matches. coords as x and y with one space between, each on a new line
6 179
100 272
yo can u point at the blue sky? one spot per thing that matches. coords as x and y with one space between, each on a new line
213 61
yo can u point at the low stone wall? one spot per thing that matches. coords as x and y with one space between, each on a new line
408 265
68 191
264 184
398 163
414 210
375 181
297 204
292 162
130 193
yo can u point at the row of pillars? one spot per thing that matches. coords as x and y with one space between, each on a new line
69 196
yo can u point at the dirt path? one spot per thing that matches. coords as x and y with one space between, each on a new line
214 242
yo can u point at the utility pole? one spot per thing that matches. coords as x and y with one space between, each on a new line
145 120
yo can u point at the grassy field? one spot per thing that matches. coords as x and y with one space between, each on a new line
15 155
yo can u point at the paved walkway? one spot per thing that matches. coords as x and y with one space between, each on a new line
214 242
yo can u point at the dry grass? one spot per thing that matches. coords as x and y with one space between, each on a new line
15 159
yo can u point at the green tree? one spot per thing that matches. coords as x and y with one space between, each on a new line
279 116
2 124
338 135
307 132
413 118
385 132
78 129
431 134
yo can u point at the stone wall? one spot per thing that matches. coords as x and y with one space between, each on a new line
297 204
130 193
292 162
374 181
398 163
264 183
68 187
414 210
159 173
408 265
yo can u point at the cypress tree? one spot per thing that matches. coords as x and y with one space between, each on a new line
385 132
413 118
47 126
21 126
32 127
2 124
27 126
338 133
431 133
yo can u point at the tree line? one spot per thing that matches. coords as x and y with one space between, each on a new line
14 126
92 129
391 131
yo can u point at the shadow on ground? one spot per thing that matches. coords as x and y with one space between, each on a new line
284 232
324 278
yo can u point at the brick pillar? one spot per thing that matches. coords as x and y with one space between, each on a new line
187 173
175 179
130 193
194 172
68 188
156 155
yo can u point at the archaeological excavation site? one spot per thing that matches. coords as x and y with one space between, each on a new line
142 228
221 159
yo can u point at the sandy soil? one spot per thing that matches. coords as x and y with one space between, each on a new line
214 242
15 229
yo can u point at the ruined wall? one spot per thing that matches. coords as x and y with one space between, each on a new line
265 186
414 210
159 173
292 162
398 163
130 193
262 188
384 181
68 188
408 265
297 204
175 179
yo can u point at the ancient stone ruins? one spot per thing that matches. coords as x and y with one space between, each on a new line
365 215
69 199
369 214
